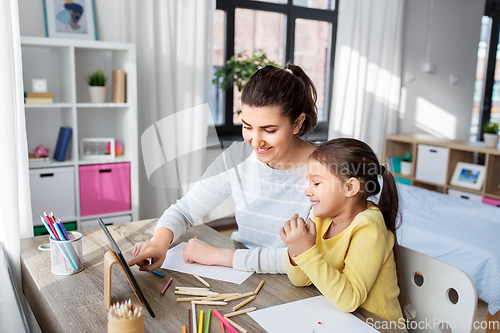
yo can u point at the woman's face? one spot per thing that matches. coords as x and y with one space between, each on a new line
269 133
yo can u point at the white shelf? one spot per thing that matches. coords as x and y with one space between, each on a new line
64 63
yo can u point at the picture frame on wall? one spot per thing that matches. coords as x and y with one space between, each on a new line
73 19
468 175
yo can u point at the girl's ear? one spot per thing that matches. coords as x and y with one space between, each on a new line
298 123
351 187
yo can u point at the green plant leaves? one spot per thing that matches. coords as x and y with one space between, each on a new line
96 78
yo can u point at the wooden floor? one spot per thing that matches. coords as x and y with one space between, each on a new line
482 307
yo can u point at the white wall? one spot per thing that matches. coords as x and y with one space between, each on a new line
429 103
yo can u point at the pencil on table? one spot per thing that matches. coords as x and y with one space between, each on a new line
200 325
259 287
190 320
183 329
166 286
189 299
238 327
245 302
209 302
201 280
195 292
222 327
207 325
232 314
238 297
193 311
224 321
192 288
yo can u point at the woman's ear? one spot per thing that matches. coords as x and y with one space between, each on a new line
351 187
298 123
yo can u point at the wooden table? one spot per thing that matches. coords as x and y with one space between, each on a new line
75 303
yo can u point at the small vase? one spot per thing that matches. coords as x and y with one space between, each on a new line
406 168
490 140
98 94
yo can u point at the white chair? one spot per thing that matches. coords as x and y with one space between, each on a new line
443 298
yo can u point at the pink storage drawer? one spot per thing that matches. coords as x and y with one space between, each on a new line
490 201
104 188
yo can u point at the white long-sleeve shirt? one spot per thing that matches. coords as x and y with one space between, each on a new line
265 198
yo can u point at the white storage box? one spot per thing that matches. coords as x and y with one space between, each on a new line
432 163
465 195
107 221
53 190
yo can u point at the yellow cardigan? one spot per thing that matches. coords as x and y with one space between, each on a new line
355 268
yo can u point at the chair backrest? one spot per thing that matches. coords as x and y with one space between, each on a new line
442 297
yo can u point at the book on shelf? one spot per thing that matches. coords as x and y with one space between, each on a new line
394 163
38 100
62 143
40 95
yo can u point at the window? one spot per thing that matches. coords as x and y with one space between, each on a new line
486 106
297 31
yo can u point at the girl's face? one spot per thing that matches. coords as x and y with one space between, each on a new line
328 194
270 134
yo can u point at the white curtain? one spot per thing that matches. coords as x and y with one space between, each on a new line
15 204
367 81
174 70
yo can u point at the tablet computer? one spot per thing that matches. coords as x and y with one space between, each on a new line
127 270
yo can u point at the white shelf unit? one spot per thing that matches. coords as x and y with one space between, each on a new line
64 63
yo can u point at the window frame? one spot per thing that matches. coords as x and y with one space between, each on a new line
292 12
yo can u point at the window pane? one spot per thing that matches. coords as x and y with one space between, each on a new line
320 4
217 94
256 30
312 49
480 71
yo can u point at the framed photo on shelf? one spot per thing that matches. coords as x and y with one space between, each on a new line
468 175
70 19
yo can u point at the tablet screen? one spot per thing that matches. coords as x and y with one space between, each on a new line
127 270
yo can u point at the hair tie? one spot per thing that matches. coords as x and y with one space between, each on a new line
381 169
288 70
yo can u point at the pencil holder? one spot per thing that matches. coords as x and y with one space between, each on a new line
133 325
66 256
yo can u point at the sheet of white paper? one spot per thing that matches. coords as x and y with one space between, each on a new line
174 262
305 316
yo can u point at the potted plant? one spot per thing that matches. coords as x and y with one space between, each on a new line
97 89
239 68
491 135
406 164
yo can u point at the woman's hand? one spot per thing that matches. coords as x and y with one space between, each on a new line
150 255
198 251
298 236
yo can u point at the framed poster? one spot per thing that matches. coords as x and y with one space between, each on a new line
70 19
468 175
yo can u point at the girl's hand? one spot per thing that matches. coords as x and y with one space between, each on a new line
298 236
198 251
151 255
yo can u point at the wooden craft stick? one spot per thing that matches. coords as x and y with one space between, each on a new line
245 302
220 296
238 297
201 280
232 314
209 302
195 293
258 287
189 299
238 327
192 288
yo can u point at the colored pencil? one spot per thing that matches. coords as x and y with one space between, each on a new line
192 288
158 273
259 287
51 233
224 321
201 280
195 293
166 286
193 310
221 324
200 325
189 299
207 325
238 297
190 321
209 302
183 329
245 302
238 327
232 314
71 257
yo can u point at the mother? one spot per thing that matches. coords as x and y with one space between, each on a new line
266 176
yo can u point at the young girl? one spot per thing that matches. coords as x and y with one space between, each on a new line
265 176
348 250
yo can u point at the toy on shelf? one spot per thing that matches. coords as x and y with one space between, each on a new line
118 148
97 148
